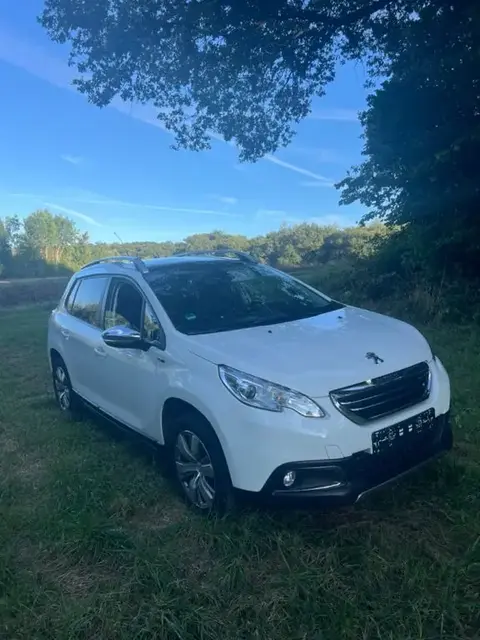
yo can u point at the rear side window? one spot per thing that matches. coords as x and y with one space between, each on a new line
85 301
71 296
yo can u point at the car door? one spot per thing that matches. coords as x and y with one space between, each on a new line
131 377
81 334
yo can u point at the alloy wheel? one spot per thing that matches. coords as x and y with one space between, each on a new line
195 470
62 388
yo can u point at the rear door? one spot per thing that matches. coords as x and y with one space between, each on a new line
81 334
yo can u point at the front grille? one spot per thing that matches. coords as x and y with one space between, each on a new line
383 396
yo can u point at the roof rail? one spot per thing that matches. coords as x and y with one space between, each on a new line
240 255
138 263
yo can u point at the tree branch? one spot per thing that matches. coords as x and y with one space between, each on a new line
346 20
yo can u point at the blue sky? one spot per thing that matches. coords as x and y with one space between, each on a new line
112 170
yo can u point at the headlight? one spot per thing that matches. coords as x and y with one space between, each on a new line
265 395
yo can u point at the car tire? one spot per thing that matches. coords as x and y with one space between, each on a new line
198 465
67 400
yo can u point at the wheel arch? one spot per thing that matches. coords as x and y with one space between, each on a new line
197 422
173 408
55 355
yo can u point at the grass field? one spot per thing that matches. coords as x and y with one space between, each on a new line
30 290
94 544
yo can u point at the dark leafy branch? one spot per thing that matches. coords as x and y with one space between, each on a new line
422 138
246 70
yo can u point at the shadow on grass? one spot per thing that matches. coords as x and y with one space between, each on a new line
434 487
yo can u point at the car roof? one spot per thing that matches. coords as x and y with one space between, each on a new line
111 266
157 263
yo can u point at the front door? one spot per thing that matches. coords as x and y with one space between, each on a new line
132 379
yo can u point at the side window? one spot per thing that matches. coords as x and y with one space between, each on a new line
124 306
153 332
71 296
88 298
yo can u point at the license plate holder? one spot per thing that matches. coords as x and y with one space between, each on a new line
403 435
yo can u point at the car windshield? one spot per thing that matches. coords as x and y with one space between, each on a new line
213 296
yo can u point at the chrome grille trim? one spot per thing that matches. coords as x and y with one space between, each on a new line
373 399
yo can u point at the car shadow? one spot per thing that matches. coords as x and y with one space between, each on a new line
441 478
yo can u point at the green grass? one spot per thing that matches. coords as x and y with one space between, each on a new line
31 290
94 544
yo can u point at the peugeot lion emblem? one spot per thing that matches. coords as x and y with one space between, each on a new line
373 356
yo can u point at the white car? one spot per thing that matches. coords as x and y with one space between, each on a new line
251 379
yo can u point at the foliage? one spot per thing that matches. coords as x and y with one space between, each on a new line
245 70
4 248
45 244
49 235
37 245
422 142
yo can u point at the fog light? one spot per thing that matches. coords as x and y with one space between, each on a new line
289 478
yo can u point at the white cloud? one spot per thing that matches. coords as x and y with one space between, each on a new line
156 207
225 199
320 155
72 159
32 58
76 214
316 183
292 167
335 114
95 199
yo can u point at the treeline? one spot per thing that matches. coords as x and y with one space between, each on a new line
45 244
372 265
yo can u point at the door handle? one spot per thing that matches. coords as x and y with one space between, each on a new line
99 351
65 334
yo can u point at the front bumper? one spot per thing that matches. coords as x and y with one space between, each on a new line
345 481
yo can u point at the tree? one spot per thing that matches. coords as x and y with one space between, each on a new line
243 69
39 234
13 229
4 248
48 235
422 139
10 234
215 240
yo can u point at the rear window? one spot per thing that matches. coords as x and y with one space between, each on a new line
209 297
85 300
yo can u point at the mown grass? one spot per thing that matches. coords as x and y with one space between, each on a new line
94 544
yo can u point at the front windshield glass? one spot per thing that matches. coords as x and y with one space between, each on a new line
213 296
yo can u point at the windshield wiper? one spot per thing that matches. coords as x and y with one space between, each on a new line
251 321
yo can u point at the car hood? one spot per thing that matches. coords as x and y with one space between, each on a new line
316 355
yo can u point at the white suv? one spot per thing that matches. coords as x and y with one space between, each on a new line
251 379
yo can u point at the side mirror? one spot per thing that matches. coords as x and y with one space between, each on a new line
123 337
